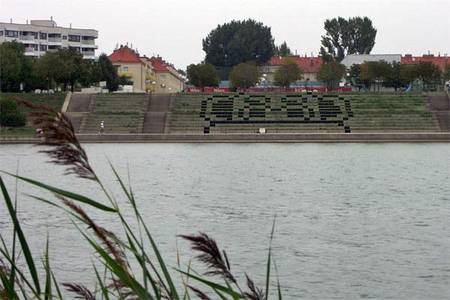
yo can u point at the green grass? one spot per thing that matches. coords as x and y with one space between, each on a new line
54 101
376 112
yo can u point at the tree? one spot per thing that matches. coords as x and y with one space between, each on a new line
375 72
238 41
283 50
68 66
428 72
202 75
331 73
47 69
15 67
90 73
10 114
446 73
244 76
353 36
287 73
181 72
108 73
394 78
408 73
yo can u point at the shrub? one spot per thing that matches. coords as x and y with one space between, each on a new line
10 114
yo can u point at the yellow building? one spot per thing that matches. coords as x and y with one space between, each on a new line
168 80
150 75
136 68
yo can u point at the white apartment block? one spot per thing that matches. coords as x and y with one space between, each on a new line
40 36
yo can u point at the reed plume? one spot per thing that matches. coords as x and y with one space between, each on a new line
210 255
106 237
199 293
80 291
255 292
56 131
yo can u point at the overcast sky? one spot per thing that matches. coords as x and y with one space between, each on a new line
174 29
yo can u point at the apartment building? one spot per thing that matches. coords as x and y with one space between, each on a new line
40 36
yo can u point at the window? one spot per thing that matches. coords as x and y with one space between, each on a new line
74 38
77 49
43 47
1 33
42 36
11 33
64 37
125 69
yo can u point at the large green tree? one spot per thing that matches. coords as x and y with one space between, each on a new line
202 75
331 73
10 114
287 73
283 50
375 73
446 73
347 36
15 67
244 75
108 73
428 72
238 41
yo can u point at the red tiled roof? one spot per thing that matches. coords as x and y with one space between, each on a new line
159 65
440 61
307 64
124 55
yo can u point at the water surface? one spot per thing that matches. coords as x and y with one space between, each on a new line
353 220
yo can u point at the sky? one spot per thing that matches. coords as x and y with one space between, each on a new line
175 29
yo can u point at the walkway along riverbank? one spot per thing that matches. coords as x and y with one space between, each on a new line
252 138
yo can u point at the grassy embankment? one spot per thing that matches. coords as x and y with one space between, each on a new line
52 100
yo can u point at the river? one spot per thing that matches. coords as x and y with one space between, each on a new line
352 220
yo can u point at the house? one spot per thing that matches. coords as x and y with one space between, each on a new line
138 69
150 75
358 59
440 61
309 65
168 80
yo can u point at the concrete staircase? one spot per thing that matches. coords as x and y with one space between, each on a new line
156 116
440 106
79 107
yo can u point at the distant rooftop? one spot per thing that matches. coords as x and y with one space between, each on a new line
124 54
309 64
42 23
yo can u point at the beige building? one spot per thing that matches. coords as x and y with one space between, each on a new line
40 36
310 67
150 75
167 78
137 69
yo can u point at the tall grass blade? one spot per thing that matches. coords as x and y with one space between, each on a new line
21 236
48 275
70 195
213 285
269 258
118 270
103 288
58 290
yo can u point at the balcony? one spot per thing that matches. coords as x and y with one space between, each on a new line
54 40
88 42
30 38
